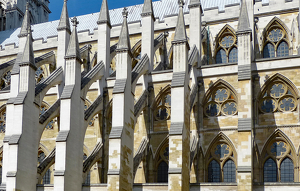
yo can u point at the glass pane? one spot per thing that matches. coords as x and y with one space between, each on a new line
166 153
275 35
287 104
230 108
221 95
269 51
233 55
46 178
221 57
41 157
39 75
162 172
268 105
229 171
277 90
212 109
278 148
270 171
214 171
227 41
287 170
88 178
222 150
282 49
162 113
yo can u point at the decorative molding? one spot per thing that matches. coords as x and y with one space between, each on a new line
14 139
67 92
120 86
244 72
116 132
244 169
176 128
59 173
175 170
244 124
178 79
113 172
11 174
20 98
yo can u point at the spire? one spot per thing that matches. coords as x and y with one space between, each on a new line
147 8
28 57
64 23
124 42
26 22
180 32
104 14
73 48
244 25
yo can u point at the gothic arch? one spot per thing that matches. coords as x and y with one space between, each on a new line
215 105
226 46
286 150
161 157
158 97
161 105
276 90
271 44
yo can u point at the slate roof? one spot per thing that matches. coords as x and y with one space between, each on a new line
162 9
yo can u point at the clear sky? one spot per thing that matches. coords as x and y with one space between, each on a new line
82 7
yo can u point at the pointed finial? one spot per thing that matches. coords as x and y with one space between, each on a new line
64 23
243 24
25 23
74 21
28 55
27 5
180 3
125 12
104 14
147 9
194 3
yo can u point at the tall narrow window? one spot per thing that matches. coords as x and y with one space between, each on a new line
270 171
229 171
282 49
162 172
214 171
287 170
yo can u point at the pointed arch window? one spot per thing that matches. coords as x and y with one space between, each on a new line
47 176
163 167
220 101
276 41
226 47
278 96
278 165
163 107
221 165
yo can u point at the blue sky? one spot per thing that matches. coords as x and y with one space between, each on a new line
82 7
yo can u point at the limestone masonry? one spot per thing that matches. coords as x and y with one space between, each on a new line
168 95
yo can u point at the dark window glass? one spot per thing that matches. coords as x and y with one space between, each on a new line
214 172
88 177
46 178
287 104
269 51
278 148
227 41
221 95
212 109
162 172
270 171
230 108
287 170
0 174
222 150
275 35
282 49
268 105
233 55
221 57
229 171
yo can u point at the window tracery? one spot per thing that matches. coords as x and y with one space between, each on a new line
163 109
221 101
43 109
221 165
278 165
2 120
278 97
226 47
275 41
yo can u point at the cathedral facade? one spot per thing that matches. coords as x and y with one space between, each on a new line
167 95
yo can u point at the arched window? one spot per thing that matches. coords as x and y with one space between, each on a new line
270 171
221 166
162 111
5 81
277 96
226 47
163 167
220 100
275 41
278 154
88 177
214 172
3 120
46 177
43 109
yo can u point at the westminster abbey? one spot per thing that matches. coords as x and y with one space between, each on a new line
169 95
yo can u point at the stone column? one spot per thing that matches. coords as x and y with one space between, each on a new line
120 168
22 137
244 147
69 143
179 135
